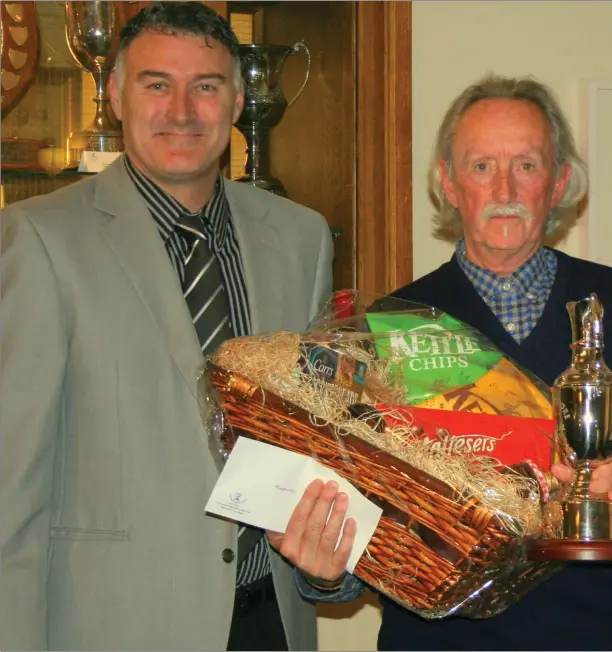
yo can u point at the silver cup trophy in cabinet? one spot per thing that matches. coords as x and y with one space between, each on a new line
264 106
92 32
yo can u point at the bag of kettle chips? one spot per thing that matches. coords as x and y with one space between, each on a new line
436 355
447 365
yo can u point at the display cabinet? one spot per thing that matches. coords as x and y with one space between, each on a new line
343 148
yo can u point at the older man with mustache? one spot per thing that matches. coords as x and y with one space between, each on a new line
505 173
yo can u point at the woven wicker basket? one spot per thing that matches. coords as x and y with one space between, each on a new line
432 551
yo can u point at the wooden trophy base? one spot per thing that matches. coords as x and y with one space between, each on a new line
570 550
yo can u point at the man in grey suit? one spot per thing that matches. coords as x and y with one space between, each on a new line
105 467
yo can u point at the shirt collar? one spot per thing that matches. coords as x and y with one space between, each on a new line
532 279
166 210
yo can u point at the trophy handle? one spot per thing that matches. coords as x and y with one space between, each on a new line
296 49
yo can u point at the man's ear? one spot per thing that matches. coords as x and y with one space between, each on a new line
114 93
447 183
561 185
238 106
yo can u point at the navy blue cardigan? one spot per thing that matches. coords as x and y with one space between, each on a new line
571 610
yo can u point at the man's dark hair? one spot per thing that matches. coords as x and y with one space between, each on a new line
177 18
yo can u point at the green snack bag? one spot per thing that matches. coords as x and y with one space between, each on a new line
436 354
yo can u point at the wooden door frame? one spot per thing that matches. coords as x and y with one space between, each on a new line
384 145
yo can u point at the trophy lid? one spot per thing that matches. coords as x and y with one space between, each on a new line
586 318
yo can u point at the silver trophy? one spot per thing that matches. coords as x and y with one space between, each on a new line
578 524
92 32
264 106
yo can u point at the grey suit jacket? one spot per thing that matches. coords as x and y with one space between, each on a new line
105 467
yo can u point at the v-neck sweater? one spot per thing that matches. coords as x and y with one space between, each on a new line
571 610
546 350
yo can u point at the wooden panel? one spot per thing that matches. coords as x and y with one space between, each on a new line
242 24
313 148
135 7
384 145
219 7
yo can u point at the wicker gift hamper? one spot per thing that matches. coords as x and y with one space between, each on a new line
434 551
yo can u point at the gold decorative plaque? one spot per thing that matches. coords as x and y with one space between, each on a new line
20 44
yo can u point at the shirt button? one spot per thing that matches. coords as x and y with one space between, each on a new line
507 286
228 555
510 326
530 295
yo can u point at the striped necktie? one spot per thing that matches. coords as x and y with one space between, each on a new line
203 286
208 304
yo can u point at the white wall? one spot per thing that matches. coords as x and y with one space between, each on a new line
455 43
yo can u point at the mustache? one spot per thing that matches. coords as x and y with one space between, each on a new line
510 210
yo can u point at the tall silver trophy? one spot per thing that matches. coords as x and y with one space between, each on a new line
264 106
578 523
92 32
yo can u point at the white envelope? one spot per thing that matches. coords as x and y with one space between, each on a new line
261 484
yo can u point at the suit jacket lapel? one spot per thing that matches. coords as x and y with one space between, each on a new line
132 234
262 258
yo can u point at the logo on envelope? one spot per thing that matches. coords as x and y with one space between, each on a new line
237 498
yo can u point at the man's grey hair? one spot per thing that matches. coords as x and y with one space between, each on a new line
446 217
176 19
